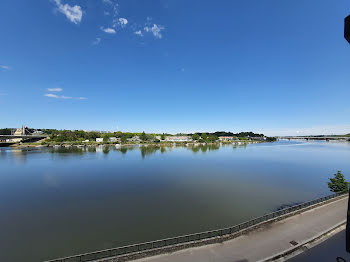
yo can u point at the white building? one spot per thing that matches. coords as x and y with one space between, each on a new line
178 139
114 139
134 139
36 132
226 138
99 140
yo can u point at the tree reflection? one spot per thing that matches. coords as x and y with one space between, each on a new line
106 150
163 149
68 150
91 149
148 150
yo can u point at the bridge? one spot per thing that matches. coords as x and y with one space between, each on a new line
20 135
4 137
346 138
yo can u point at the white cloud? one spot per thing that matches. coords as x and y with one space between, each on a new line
73 13
97 41
52 95
123 21
58 97
55 89
4 67
108 30
106 13
64 97
138 33
155 29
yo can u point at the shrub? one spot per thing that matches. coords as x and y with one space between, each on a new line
338 183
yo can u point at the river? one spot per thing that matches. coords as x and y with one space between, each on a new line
58 202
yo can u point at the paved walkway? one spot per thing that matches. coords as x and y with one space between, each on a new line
266 241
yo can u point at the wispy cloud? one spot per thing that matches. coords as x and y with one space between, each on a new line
97 41
108 30
118 22
107 2
64 97
139 33
52 95
73 13
58 89
5 67
155 30
58 97
3 94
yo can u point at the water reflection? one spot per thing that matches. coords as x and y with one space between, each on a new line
204 148
67 150
106 149
148 150
145 150
108 196
163 149
92 149
19 155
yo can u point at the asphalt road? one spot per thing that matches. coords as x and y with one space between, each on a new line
327 251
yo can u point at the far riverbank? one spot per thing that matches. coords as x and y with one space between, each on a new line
155 144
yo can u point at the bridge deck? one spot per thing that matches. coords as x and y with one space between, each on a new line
21 136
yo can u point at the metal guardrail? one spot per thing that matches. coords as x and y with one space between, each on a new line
107 253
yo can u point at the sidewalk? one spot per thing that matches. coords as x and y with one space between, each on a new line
265 242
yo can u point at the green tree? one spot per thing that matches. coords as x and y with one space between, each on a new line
118 134
213 138
143 136
106 138
162 136
338 183
196 137
5 131
123 138
204 136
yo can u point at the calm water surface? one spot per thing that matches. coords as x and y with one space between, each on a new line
60 202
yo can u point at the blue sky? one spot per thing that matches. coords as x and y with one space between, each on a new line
278 67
